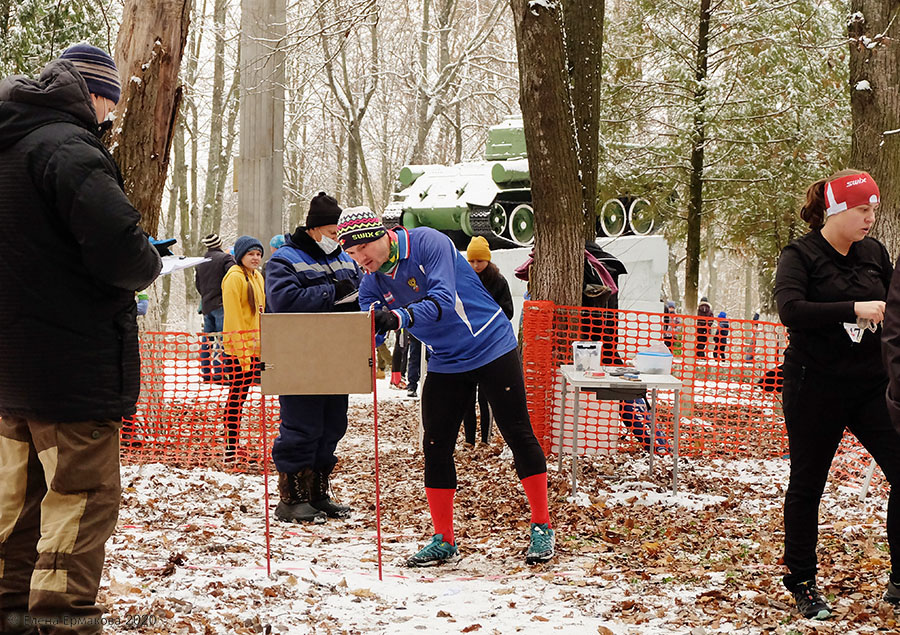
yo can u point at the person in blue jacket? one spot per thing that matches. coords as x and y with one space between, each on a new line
310 274
417 280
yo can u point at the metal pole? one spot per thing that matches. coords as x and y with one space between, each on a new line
652 427
562 420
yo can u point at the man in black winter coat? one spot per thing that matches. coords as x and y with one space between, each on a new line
71 258
208 280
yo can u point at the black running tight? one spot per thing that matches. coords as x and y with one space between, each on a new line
445 398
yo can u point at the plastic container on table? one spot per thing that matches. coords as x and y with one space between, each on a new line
655 360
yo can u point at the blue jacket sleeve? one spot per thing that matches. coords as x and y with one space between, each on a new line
286 294
438 257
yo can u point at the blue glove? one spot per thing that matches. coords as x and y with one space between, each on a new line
162 245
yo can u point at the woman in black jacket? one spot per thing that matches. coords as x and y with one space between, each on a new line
479 256
830 288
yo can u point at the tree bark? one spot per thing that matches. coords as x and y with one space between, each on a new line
875 108
149 49
552 159
584 50
698 143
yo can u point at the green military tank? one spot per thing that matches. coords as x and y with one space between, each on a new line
492 197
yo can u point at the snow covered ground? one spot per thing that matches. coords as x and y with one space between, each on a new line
189 554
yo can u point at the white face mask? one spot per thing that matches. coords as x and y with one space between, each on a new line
327 245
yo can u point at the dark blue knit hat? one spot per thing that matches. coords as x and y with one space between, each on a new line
97 68
244 244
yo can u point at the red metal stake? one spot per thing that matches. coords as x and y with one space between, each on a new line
375 416
265 463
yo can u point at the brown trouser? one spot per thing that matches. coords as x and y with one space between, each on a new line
59 502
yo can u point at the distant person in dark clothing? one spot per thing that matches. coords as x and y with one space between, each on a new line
704 313
72 258
720 339
670 325
208 281
830 288
479 256
413 367
208 278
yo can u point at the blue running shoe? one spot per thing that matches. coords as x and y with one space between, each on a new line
543 544
435 552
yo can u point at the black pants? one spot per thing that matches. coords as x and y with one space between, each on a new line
816 414
241 380
445 398
470 422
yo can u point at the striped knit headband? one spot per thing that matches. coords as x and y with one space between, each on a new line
358 225
97 68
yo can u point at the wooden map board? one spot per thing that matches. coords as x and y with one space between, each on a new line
316 353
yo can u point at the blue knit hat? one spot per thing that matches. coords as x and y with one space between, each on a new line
244 244
97 68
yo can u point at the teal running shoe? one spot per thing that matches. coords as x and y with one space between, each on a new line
435 552
543 544
810 602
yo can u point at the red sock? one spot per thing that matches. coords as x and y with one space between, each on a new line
395 378
536 491
440 502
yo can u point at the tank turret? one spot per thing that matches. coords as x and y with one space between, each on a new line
492 197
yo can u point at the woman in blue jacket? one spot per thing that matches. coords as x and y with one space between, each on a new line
416 279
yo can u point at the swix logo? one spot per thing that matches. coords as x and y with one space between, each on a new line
858 181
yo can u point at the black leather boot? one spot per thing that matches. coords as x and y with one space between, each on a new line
294 490
322 501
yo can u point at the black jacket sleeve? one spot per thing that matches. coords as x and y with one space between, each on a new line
791 288
83 181
890 346
504 297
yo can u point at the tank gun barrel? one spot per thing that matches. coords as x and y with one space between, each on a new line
511 171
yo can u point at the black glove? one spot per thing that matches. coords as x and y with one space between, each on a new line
342 289
386 321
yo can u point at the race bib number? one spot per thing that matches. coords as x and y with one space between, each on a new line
854 332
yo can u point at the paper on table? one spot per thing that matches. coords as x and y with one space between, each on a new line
174 263
347 299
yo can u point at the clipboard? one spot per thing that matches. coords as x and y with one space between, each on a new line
315 353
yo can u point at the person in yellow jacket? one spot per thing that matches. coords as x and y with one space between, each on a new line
243 298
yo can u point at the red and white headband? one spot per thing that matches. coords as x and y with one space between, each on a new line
850 191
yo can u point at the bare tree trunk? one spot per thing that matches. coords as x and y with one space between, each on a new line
698 143
217 160
875 107
353 162
674 291
584 38
353 106
552 158
230 136
149 49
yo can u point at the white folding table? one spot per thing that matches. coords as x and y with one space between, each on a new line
616 388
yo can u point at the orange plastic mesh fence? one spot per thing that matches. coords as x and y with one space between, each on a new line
728 370
190 412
